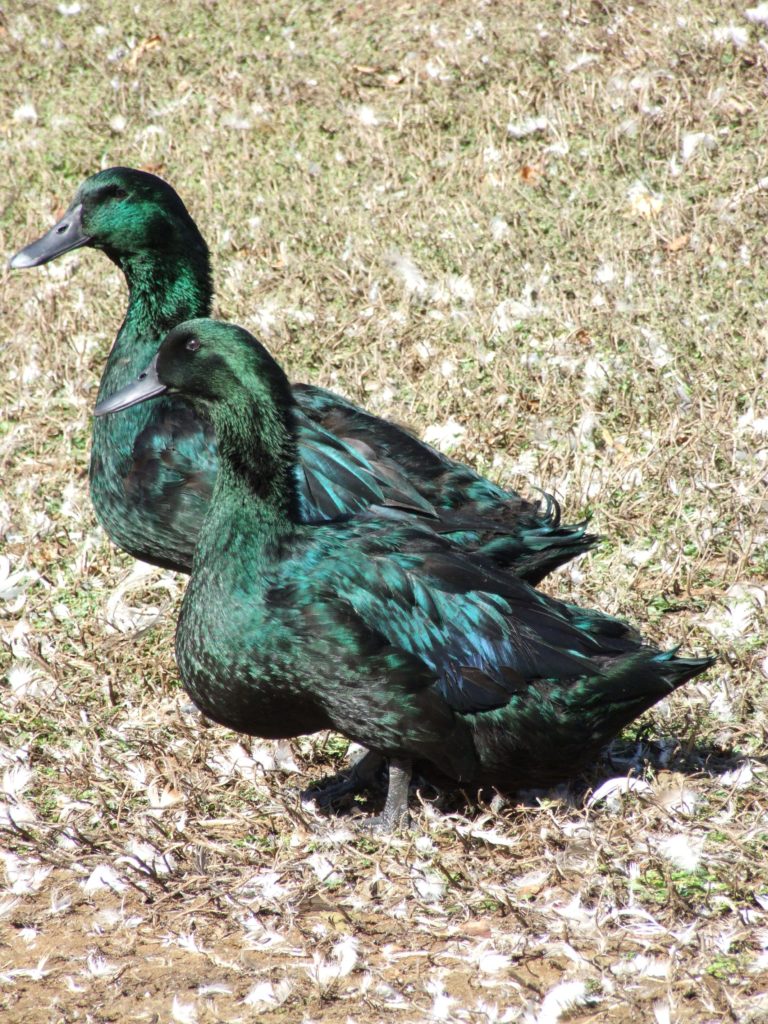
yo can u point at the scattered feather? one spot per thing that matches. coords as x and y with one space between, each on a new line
7 905
560 1000
13 585
16 814
186 941
183 1013
530 126
102 879
32 973
510 313
640 556
740 777
99 967
692 141
25 114
488 960
428 883
269 884
605 274
751 423
682 850
731 35
445 436
644 966
493 836
106 920
405 270
582 61
233 760
265 996
441 1001
236 122
757 15
499 229
324 869
147 859
24 876
613 790
739 618
128 616
214 989
658 350
643 202
344 958
367 116
662 1012
259 937
16 779
460 287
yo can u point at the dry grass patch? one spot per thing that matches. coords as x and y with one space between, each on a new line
536 231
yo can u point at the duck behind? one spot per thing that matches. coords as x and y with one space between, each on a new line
374 624
153 467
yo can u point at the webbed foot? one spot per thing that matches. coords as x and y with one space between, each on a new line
362 775
395 815
381 825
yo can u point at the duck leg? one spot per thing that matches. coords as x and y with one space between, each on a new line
395 814
362 775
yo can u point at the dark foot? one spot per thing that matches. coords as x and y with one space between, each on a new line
381 825
362 775
395 815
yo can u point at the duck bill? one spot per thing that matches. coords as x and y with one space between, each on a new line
67 234
148 385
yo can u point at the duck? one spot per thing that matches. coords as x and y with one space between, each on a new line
152 468
373 624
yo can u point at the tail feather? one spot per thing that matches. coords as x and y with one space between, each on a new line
631 684
683 669
544 543
534 553
555 729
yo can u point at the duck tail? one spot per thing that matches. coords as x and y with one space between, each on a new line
548 736
677 671
633 683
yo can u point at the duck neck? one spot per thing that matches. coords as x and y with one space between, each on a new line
255 493
165 288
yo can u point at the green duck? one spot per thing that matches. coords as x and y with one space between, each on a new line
373 624
153 467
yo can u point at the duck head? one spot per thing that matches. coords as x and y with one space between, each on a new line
123 212
210 364
231 379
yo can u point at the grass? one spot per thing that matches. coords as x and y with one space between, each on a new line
542 221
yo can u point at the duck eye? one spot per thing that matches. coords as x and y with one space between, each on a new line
113 192
192 345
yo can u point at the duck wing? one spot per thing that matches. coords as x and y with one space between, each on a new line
481 634
337 477
527 537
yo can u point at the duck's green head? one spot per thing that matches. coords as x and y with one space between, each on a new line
122 211
212 365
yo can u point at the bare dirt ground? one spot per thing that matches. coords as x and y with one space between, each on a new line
535 232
